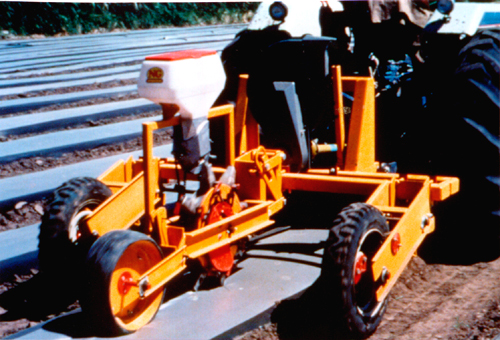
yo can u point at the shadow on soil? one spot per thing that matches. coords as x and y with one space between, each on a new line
308 316
37 299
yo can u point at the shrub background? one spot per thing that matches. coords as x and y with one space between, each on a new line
25 18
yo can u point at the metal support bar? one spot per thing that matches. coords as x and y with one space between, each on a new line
150 173
331 184
111 215
339 114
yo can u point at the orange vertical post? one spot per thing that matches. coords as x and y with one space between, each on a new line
230 144
252 131
246 128
339 114
149 192
360 153
240 111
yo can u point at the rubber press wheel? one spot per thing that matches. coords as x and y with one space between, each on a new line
114 264
63 240
357 233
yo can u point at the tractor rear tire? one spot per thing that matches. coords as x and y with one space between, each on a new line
480 65
359 229
109 304
63 242
465 115
478 79
469 150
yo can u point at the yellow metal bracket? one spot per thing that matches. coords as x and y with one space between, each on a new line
269 170
260 171
415 223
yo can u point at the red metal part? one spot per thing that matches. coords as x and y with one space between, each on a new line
124 283
219 211
222 259
395 244
359 266
180 55
177 208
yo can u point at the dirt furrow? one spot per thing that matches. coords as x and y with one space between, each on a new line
466 294
72 89
420 292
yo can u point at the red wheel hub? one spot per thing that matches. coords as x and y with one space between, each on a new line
359 266
221 259
125 282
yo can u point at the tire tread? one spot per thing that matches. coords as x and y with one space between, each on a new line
56 251
347 228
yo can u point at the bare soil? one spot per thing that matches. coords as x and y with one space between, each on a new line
72 89
430 301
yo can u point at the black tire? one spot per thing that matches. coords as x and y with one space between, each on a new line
476 96
468 148
358 227
63 244
479 65
109 257
477 84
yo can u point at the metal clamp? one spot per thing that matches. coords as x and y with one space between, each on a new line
426 219
143 286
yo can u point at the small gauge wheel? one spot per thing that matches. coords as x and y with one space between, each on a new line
356 236
114 265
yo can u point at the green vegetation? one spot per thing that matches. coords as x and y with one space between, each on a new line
24 18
